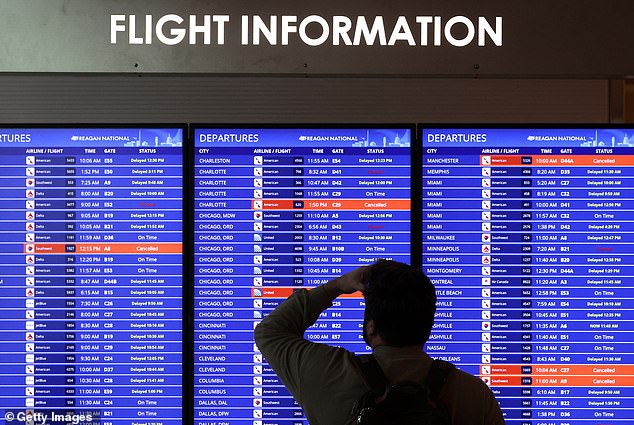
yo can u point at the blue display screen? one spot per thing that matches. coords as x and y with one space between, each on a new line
277 210
527 235
91 275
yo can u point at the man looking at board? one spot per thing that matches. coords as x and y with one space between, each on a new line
398 318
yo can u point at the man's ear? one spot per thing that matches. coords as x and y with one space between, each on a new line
372 337
370 329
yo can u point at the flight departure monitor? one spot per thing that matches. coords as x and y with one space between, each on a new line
91 275
528 237
277 209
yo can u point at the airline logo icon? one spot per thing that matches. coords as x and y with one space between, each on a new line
486 193
486 227
257 281
257 248
257 205
486 281
30 205
257 259
257 183
257 237
30 237
486 215
486 304
30 160
30 182
257 193
30 172
486 292
257 227
486 160
257 413
257 160
486 205
486 358
486 271
486 337
486 370
486 182
486 237
257 303
486 172
30 281
257 391
486 326
258 172
486 314
30 193
486 348
486 259
486 249
257 358
257 215
257 270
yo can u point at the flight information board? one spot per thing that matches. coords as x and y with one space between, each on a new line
277 210
528 236
91 275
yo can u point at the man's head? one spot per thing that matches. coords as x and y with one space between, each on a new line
400 303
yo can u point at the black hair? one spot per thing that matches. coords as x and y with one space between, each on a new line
402 302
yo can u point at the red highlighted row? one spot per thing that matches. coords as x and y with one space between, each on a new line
559 381
557 160
556 370
104 248
546 375
284 293
331 204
